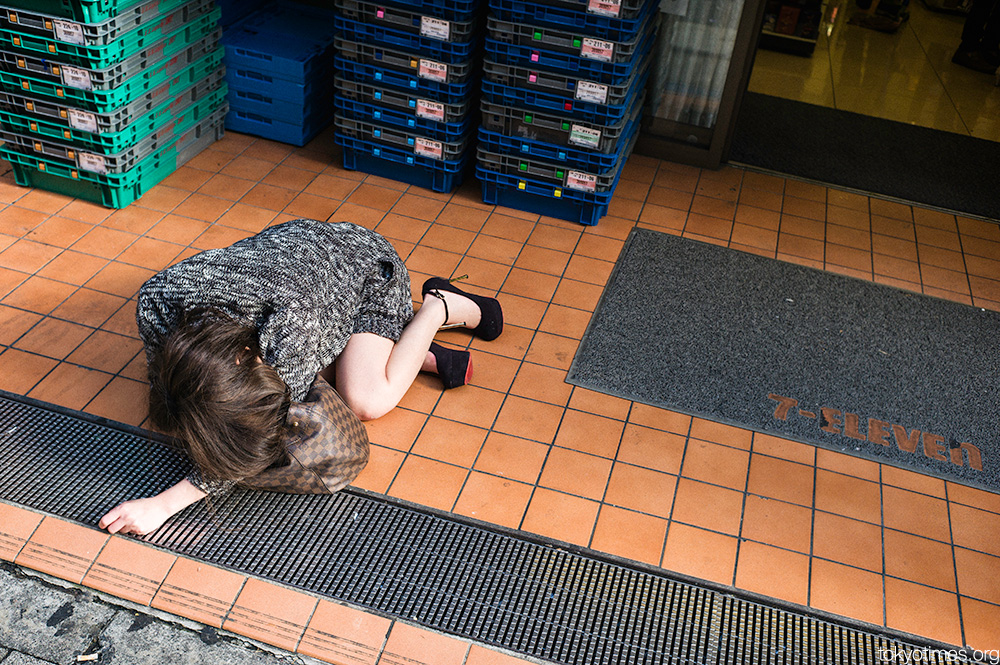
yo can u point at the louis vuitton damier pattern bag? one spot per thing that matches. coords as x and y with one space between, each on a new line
326 442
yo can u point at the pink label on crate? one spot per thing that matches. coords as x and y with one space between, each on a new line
597 49
428 148
430 110
604 7
434 71
534 56
582 181
380 13
532 77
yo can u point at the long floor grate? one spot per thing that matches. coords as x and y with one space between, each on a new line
497 587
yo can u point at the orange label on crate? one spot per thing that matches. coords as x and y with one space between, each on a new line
434 71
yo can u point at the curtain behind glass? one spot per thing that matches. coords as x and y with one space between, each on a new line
693 54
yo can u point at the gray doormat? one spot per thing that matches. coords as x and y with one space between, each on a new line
838 362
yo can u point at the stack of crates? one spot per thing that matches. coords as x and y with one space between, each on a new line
102 99
279 66
563 90
407 86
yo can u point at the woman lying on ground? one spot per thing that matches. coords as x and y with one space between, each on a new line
238 338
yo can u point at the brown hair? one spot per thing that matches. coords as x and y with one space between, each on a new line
208 390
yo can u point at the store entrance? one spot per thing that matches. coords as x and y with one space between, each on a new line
854 61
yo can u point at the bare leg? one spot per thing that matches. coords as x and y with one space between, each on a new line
373 373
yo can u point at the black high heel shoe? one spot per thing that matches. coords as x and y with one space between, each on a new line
491 319
453 366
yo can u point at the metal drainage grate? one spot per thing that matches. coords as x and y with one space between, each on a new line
491 586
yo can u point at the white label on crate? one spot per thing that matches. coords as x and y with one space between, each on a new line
604 7
82 120
428 148
88 161
597 49
75 77
430 110
582 181
588 91
66 31
585 136
435 71
435 28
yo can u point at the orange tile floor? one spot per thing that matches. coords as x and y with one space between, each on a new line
520 447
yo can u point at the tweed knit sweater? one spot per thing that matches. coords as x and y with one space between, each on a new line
305 286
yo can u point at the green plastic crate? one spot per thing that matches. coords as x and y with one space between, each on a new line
86 11
69 123
182 42
98 53
114 156
114 190
104 101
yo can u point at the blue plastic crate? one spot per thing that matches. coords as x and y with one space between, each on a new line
284 40
277 130
234 11
402 101
556 129
603 27
449 93
611 9
401 139
279 108
441 131
587 160
411 45
276 87
566 41
590 111
440 176
454 10
568 176
610 73
542 198
406 19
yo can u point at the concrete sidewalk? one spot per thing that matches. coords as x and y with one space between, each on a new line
46 620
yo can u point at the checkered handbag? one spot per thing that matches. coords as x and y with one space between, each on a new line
327 446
